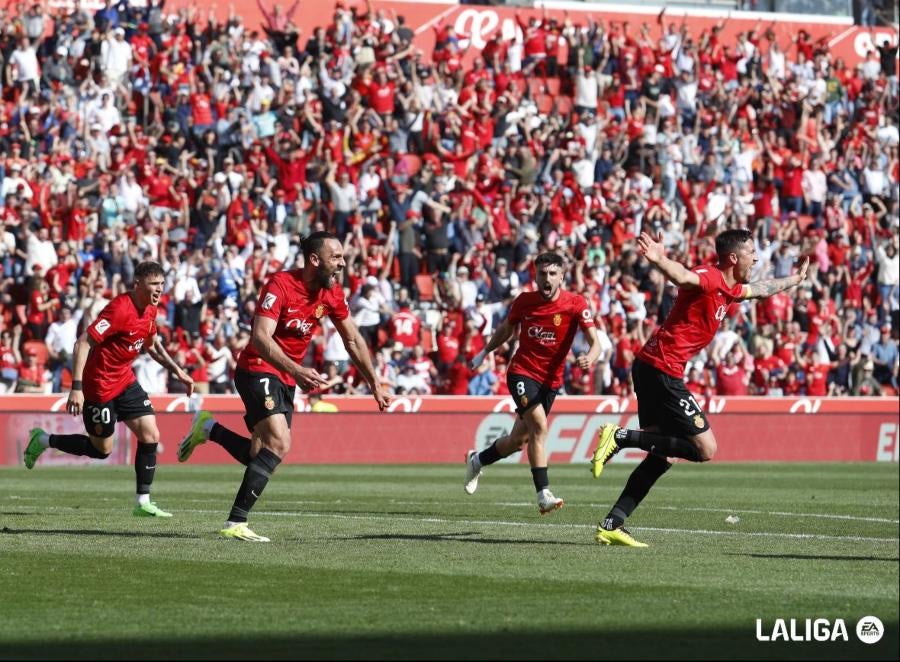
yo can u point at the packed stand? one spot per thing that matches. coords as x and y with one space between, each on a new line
211 146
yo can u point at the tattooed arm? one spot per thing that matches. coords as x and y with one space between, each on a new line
159 354
766 288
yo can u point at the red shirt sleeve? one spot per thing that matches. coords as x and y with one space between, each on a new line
515 311
583 311
708 278
338 304
271 299
106 325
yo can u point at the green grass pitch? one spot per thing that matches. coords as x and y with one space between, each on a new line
396 562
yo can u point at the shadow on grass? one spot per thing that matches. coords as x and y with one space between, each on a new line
819 557
98 532
632 645
467 536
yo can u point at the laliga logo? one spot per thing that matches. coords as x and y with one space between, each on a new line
819 629
869 630
301 325
480 25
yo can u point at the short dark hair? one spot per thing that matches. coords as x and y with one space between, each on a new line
148 268
312 243
549 258
730 240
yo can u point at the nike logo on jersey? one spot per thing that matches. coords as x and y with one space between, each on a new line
292 310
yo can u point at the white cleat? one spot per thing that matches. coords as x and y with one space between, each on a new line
473 472
547 503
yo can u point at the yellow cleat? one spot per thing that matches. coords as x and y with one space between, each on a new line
619 536
606 448
241 531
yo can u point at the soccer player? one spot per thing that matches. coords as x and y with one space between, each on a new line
105 389
547 320
672 423
291 306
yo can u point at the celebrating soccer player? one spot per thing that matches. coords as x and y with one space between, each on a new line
291 306
105 389
672 423
547 319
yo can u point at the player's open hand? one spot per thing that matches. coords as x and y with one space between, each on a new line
382 397
309 378
804 269
75 403
651 248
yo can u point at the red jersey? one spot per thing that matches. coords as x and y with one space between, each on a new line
406 328
694 320
285 299
546 331
119 334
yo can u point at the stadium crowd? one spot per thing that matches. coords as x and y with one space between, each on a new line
210 145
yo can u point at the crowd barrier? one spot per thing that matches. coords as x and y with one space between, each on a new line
442 429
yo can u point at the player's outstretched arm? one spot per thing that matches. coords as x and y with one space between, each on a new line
359 354
503 333
655 252
766 288
263 341
158 353
83 346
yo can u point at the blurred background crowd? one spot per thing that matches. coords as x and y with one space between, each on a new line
190 138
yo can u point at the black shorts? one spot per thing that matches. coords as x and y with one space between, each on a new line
528 392
665 402
263 395
100 417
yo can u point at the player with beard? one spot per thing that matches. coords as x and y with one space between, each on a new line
291 306
672 423
548 319
105 389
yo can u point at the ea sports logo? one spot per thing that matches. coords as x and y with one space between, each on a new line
870 629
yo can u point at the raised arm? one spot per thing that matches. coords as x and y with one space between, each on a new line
655 252
766 288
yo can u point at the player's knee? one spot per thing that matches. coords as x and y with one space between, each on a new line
149 437
707 450
278 444
101 447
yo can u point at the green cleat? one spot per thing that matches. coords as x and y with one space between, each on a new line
606 448
149 510
195 437
34 448
619 536
241 531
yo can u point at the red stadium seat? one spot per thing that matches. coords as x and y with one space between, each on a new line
544 104
563 105
552 86
425 287
536 87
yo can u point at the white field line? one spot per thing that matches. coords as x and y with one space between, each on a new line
529 504
532 525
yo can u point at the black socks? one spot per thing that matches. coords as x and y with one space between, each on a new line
145 466
658 444
539 476
236 445
639 483
489 455
76 444
256 476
